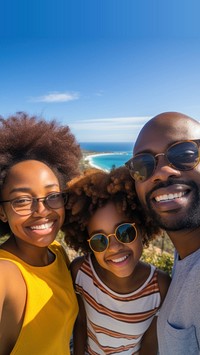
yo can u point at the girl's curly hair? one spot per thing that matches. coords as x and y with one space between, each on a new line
92 190
24 137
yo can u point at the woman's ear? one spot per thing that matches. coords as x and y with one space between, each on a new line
3 216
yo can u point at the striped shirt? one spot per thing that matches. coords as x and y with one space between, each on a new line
116 322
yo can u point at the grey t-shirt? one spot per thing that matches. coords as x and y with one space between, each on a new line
178 324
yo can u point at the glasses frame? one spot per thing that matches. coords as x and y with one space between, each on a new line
113 234
35 201
196 142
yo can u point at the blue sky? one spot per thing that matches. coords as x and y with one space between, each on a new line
104 67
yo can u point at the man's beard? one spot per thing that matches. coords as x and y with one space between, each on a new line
190 219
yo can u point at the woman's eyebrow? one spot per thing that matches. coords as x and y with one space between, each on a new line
28 189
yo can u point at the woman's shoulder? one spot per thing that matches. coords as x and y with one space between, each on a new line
10 271
10 277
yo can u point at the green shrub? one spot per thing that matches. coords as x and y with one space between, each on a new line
163 261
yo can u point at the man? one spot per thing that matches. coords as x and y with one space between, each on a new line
166 169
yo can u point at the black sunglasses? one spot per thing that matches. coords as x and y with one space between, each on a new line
182 156
125 233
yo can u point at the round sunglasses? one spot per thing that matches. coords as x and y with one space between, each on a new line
182 156
125 233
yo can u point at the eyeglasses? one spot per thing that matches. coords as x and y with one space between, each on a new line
182 156
26 205
125 233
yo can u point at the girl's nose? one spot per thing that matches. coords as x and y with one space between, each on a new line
114 244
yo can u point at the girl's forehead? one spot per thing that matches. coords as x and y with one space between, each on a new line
109 209
108 212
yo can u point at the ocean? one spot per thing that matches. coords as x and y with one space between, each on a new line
108 155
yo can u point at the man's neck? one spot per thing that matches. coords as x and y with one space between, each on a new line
186 242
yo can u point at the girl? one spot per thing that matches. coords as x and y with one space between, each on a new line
119 295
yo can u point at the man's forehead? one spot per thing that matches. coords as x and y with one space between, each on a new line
161 131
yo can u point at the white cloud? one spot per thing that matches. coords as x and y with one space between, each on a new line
115 129
120 120
57 97
105 124
99 93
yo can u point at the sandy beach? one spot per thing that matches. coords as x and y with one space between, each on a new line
88 159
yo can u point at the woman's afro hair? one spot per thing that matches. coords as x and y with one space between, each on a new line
24 137
92 190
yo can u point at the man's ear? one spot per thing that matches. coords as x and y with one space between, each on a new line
3 216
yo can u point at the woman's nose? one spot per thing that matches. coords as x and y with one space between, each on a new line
40 207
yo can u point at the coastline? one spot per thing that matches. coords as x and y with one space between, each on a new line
105 155
88 159
87 163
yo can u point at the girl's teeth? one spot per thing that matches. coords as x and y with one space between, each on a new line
42 226
120 259
169 197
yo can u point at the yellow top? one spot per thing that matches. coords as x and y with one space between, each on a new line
51 306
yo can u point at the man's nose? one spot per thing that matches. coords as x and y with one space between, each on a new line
164 169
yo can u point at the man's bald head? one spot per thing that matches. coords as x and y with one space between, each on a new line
169 124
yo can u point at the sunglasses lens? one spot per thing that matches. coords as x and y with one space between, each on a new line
141 166
126 233
99 242
184 155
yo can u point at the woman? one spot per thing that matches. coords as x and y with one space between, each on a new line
38 306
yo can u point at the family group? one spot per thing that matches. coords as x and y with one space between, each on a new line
107 300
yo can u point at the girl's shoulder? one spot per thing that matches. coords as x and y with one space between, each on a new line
164 281
162 277
76 265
